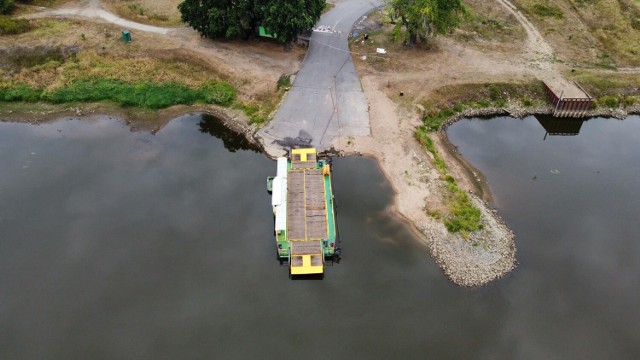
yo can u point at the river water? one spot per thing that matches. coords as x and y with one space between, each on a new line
115 244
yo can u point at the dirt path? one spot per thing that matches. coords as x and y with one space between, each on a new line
257 64
92 9
540 56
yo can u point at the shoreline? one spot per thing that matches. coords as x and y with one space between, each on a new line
471 261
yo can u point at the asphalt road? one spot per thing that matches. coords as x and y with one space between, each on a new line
326 99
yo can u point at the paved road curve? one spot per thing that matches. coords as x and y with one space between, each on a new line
326 100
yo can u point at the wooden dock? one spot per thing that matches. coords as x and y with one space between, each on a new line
568 99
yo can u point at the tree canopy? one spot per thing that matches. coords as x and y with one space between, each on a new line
425 18
6 6
240 18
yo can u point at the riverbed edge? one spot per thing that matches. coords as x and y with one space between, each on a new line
463 259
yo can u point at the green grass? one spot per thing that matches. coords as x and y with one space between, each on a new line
462 216
12 26
22 93
453 99
601 84
142 94
256 113
547 11
284 82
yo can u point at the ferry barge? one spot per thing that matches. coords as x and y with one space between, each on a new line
305 221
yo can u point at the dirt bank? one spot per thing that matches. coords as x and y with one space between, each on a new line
137 119
469 261
500 46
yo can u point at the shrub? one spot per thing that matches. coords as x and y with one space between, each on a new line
284 82
547 11
20 92
11 26
609 101
6 6
219 93
143 94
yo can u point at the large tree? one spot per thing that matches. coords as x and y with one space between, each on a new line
240 18
220 18
6 6
425 18
287 18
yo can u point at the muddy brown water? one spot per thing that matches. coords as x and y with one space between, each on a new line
115 244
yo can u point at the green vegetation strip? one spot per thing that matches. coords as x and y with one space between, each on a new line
141 94
11 26
547 11
463 216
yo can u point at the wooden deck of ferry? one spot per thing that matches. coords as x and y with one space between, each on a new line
312 248
306 212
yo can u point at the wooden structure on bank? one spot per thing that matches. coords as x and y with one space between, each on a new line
576 105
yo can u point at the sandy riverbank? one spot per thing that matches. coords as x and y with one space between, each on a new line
480 257
472 261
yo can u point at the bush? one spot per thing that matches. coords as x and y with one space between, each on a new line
143 94
609 101
547 11
11 26
465 217
20 92
6 6
219 93
284 82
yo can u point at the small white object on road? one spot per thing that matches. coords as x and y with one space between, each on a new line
381 51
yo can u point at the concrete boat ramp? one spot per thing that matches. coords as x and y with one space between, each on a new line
326 100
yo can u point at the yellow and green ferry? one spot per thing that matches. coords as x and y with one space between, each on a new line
303 206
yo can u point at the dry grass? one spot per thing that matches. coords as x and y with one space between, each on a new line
490 26
154 12
600 84
602 33
486 95
94 51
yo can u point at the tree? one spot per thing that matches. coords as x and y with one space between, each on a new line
425 18
287 18
232 19
6 6
220 18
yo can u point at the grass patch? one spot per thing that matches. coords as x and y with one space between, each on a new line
600 84
146 13
284 82
257 113
547 11
12 26
457 98
20 93
462 217
143 94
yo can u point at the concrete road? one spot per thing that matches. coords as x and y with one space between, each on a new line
326 99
